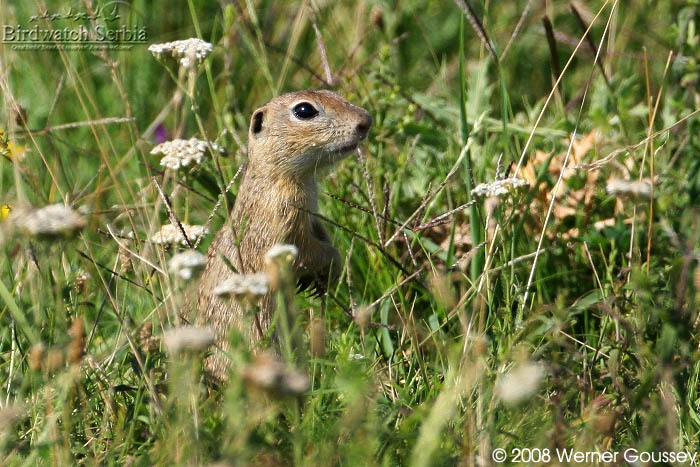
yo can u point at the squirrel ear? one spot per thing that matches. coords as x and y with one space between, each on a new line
256 121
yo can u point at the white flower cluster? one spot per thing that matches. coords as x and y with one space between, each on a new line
187 264
50 221
520 383
188 338
172 234
190 52
182 152
270 375
631 189
281 253
500 187
243 286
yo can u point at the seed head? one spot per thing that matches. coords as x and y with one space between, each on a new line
81 281
76 347
317 337
148 343
363 316
376 17
37 355
9 415
126 264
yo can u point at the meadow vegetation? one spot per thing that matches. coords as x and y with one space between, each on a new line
556 307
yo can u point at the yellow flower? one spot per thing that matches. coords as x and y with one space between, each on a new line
10 149
4 211
15 151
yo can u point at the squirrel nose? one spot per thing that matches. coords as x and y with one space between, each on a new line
364 124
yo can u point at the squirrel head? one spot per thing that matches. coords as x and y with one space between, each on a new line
302 132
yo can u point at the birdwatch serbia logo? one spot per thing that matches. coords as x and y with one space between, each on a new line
112 25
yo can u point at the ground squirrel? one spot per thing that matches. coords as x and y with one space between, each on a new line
290 140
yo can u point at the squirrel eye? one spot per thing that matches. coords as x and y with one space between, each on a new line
305 111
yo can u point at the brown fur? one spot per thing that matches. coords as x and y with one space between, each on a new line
285 154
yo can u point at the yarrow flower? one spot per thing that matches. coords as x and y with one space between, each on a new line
182 152
629 189
500 187
172 234
270 375
50 221
281 253
520 383
243 286
187 264
189 52
188 338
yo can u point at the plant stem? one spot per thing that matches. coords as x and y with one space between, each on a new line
477 260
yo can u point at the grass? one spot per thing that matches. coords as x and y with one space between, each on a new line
562 316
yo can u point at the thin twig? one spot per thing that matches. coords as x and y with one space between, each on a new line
218 203
432 195
555 190
184 185
515 261
603 161
370 189
652 119
112 272
551 93
348 278
173 219
355 234
101 309
158 408
516 31
443 218
394 288
410 250
131 252
348 312
470 14
69 126
361 208
584 344
322 49
59 88
591 42
387 204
